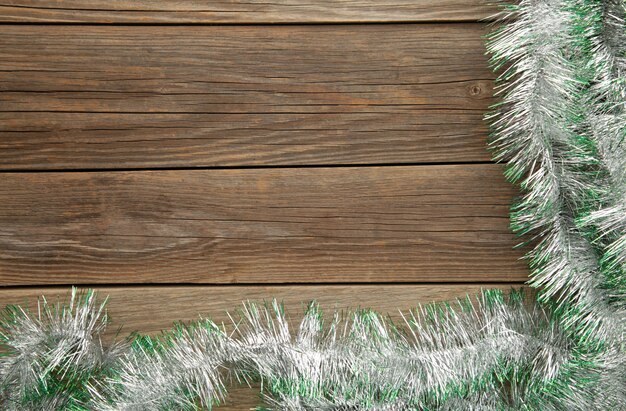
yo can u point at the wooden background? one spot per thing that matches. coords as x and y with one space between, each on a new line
184 156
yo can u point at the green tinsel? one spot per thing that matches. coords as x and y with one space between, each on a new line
560 125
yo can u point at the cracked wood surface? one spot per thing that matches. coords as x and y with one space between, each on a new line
85 97
242 11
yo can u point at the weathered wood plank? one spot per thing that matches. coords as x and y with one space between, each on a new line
135 97
242 11
405 224
151 309
112 140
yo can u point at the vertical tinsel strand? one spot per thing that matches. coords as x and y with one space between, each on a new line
604 38
533 129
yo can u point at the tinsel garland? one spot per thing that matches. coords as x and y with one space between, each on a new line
561 127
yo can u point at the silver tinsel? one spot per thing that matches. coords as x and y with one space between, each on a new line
498 352
52 352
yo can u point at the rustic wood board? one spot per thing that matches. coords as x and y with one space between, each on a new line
46 141
93 97
341 224
152 309
242 11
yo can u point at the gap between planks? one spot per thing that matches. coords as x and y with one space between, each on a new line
245 167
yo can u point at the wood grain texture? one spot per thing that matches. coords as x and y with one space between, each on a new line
152 309
45 141
149 97
242 11
363 224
